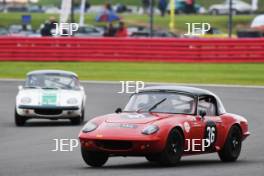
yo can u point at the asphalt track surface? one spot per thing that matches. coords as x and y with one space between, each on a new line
26 151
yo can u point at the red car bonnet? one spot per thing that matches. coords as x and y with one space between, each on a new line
136 118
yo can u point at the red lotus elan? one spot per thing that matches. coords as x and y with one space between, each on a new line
164 123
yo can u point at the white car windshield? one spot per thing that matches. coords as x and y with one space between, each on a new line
52 81
175 103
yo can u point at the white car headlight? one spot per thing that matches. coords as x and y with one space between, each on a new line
151 129
89 126
25 100
72 101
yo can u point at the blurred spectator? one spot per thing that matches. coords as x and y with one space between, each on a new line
87 6
121 8
110 31
122 30
48 27
145 5
190 5
162 7
108 6
107 15
24 27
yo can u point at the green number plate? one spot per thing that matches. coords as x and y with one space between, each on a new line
49 99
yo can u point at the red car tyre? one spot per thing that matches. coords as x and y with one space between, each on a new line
94 159
152 158
173 151
232 147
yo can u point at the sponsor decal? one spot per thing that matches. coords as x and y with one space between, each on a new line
134 116
187 127
126 125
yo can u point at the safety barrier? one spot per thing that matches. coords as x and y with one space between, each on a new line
132 50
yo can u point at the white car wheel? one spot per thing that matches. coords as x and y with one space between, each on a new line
19 120
78 120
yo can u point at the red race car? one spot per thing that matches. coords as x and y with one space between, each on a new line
164 123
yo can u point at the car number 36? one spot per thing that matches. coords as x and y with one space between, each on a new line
210 134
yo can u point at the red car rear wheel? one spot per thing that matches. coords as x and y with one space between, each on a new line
232 147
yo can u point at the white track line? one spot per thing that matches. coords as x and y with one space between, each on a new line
158 83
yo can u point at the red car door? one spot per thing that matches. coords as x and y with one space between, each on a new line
210 123
193 128
212 131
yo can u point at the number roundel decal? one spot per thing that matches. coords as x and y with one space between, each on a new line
210 134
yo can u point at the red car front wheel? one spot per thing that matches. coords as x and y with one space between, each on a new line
94 159
173 151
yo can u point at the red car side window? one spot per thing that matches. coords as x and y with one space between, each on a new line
208 105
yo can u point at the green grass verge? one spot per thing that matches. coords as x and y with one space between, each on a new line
242 74
220 22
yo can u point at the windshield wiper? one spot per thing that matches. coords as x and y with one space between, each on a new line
153 106
157 104
51 88
32 87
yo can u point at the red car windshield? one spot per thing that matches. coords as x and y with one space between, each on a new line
174 103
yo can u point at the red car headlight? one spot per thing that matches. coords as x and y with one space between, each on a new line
151 129
89 126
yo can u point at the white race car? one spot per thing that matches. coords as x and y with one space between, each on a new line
50 94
